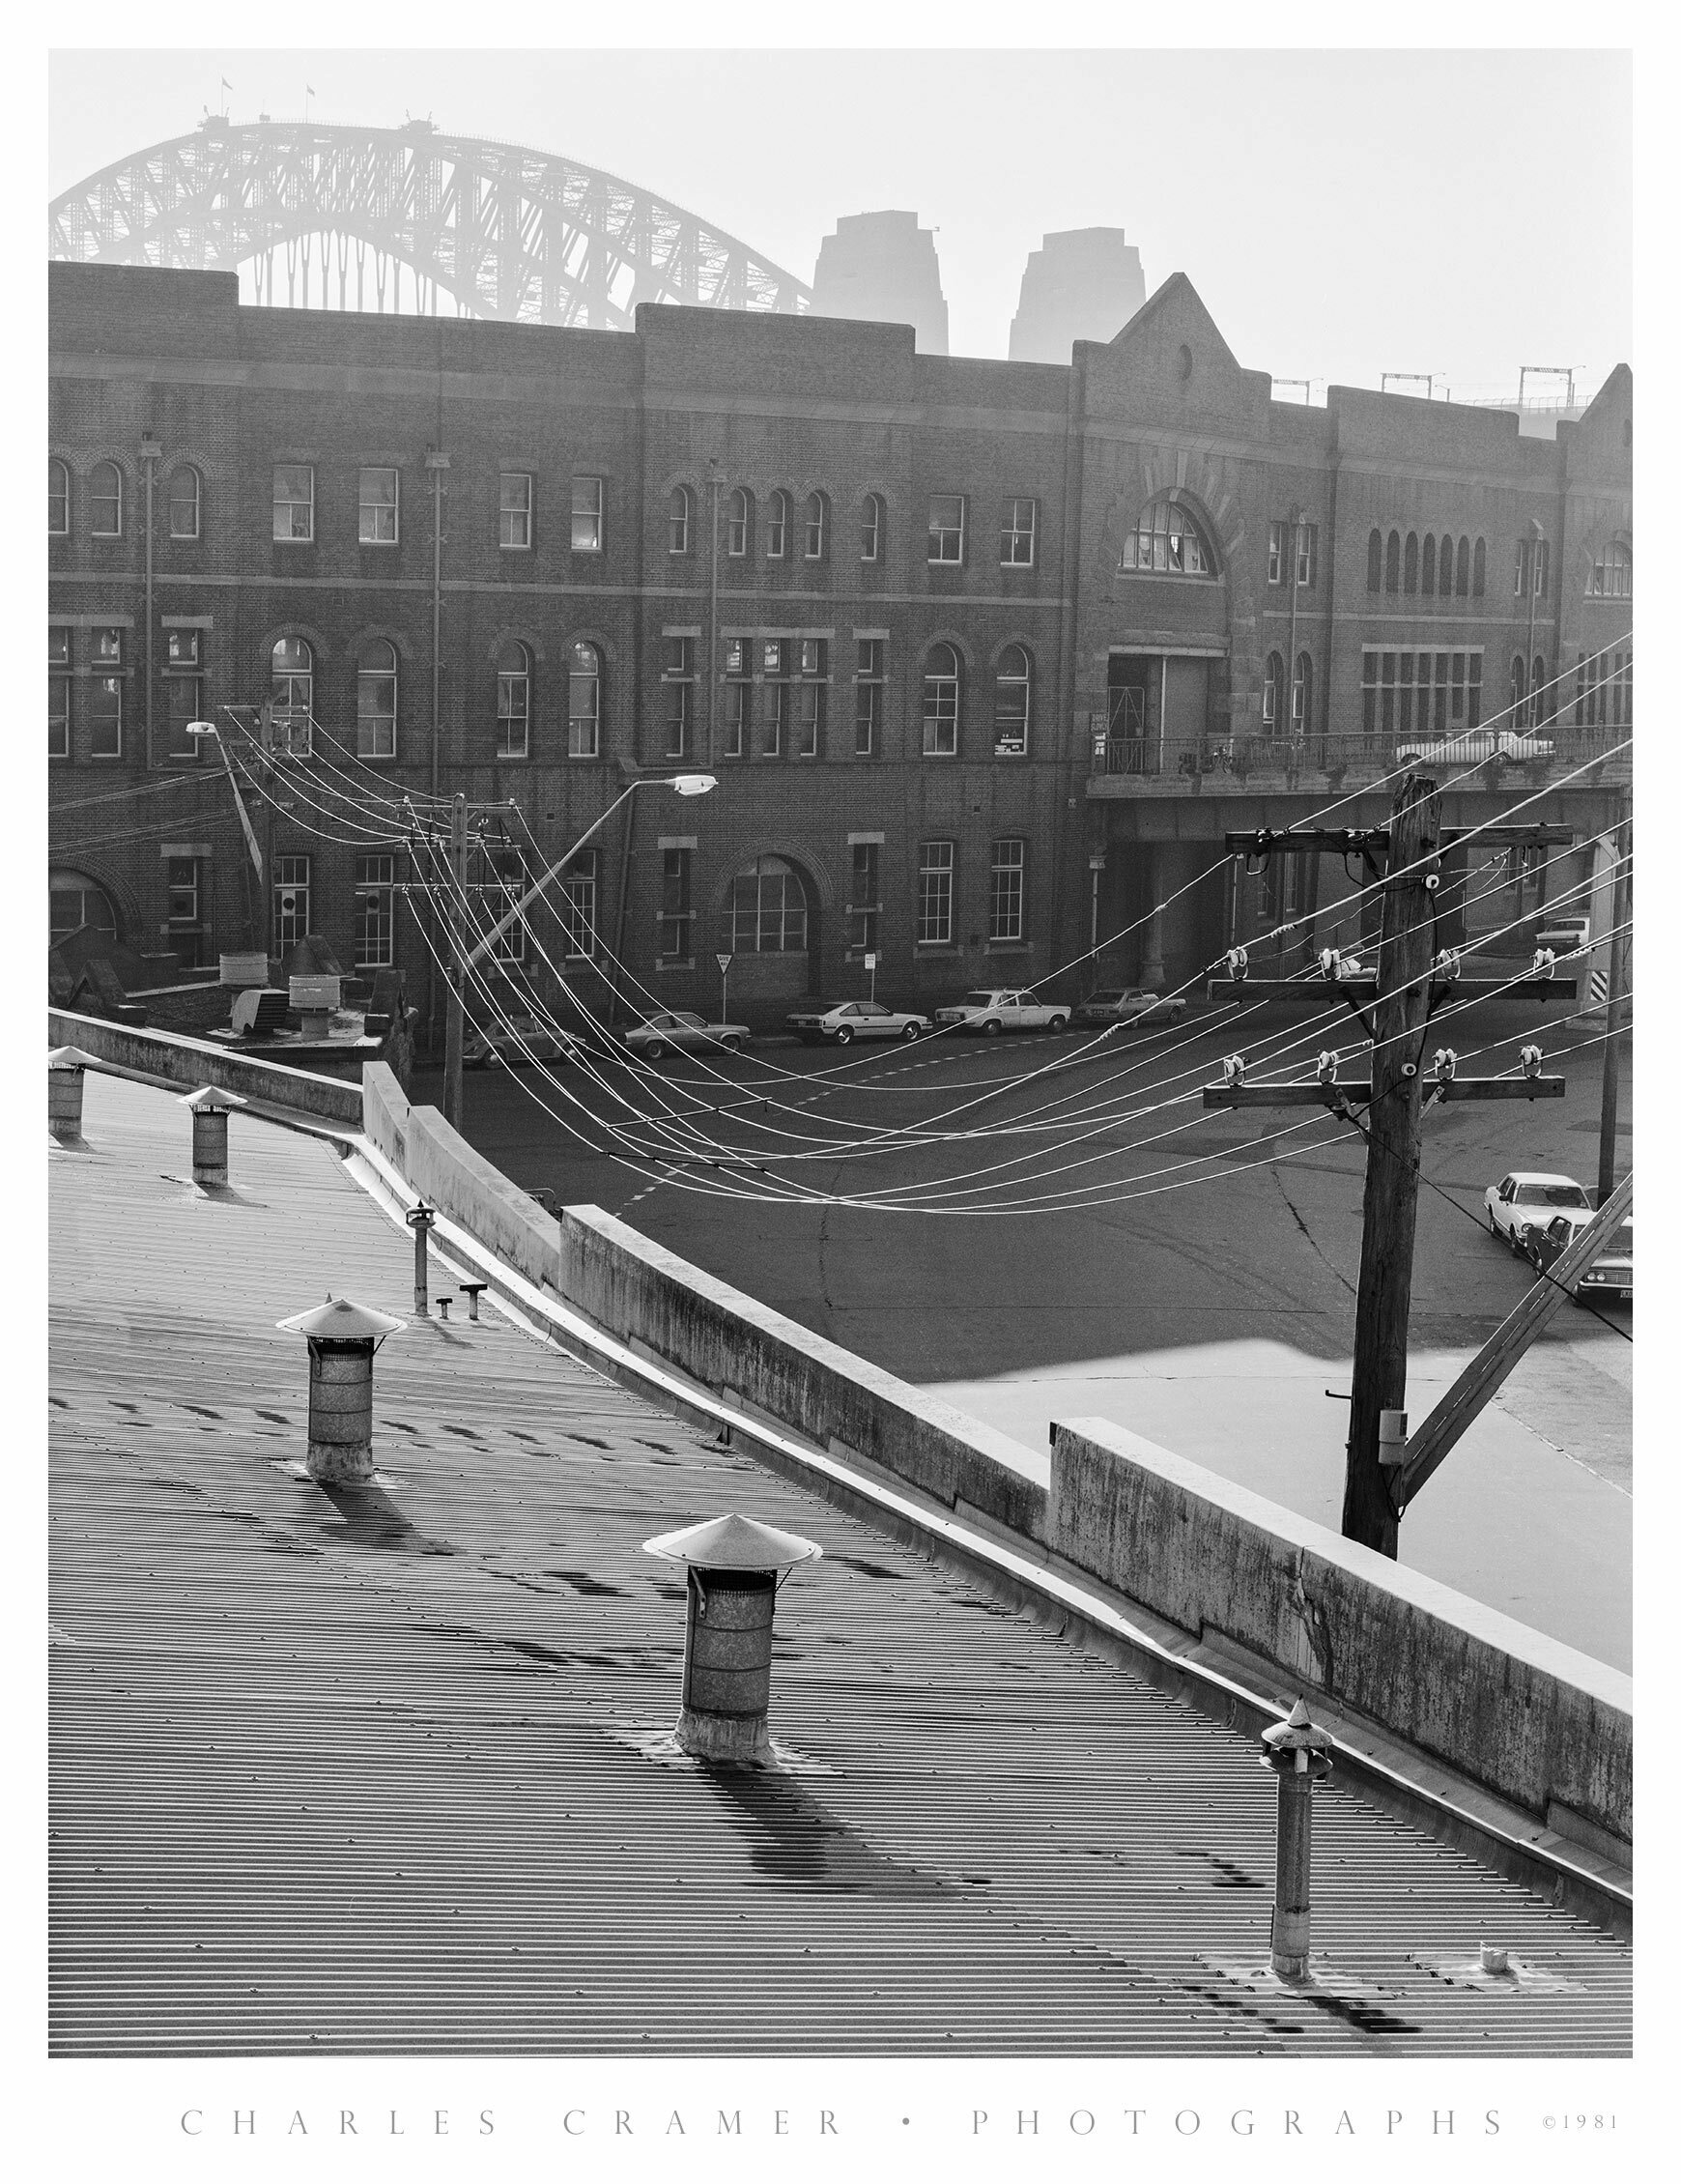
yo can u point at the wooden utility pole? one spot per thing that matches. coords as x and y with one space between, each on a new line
1384 1299
453 1027
1617 979
1409 984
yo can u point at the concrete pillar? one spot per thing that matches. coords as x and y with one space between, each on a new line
66 1075
342 1339
1152 974
733 1568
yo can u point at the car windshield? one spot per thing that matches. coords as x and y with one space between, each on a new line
688 1020
1622 1243
980 998
1552 1195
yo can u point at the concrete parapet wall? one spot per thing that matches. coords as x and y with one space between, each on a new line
445 1170
145 1052
385 1113
1536 1722
733 1343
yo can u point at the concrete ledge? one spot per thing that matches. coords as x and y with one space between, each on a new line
1540 1725
168 1056
731 1342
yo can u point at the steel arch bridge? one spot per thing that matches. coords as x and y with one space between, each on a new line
500 231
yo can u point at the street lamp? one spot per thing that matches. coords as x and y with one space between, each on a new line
465 960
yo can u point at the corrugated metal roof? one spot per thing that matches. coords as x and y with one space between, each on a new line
377 1771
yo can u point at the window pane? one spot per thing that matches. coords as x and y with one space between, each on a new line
294 502
184 503
586 506
106 501
377 508
57 500
516 508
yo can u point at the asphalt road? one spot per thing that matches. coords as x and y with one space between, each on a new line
1194 1282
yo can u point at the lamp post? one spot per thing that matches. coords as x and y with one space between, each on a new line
198 728
685 784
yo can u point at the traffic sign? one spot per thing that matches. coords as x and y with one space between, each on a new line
724 963
870 962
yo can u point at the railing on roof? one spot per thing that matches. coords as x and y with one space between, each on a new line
1224 763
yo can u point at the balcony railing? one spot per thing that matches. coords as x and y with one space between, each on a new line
1213 764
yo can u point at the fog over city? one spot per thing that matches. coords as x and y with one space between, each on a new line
1329 244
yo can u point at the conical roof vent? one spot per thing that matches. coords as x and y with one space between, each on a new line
733 1542
212 1099
69 1057
338 1320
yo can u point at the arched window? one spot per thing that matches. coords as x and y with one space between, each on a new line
1301 695
1462 569
1166 542
1612 574
776 527
677 519
735 522
1013 702
183 502
377 700
1374 562
1392 564
1445 567
767 909
513 701
1541 698
1480 568
583 701
1520 688
105 501
1409 577
1427 574
57 500
817 528
1272 689
292 679
869 549
75 900
942 692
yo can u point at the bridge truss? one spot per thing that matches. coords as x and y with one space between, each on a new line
332 216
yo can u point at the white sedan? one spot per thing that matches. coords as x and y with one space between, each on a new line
992 1009
682 1032
1475 746
1528 1198
846 1021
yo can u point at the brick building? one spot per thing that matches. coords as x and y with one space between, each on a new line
983 654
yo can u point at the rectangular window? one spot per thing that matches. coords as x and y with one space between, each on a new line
869 535
186 912
1458 691
58 690
377 508
58 503
501 892
936 871
1369 692
676 926
737 697
105 696
377 704
864 910
183 689
1017 536
1474 697
1006 913
945 527
1520 569
516 510
294 503
1404 710
290 902
1276 548
872 675
809 696
1388 694
1306 555
374 913
588 495
576 903
514 707
678 680
777 662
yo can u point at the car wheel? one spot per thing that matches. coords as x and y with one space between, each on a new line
844 1037
1057 1023
1494 1226
991 1027
733 1046
655 1050
911 1031
1519 1245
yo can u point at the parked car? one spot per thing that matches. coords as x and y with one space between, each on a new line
1475 745
1122 1004
842 1021
1527 1198
516 1045
682 1032
1612 1275
992 1009
1565 936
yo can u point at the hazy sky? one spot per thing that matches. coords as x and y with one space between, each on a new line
1342 214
